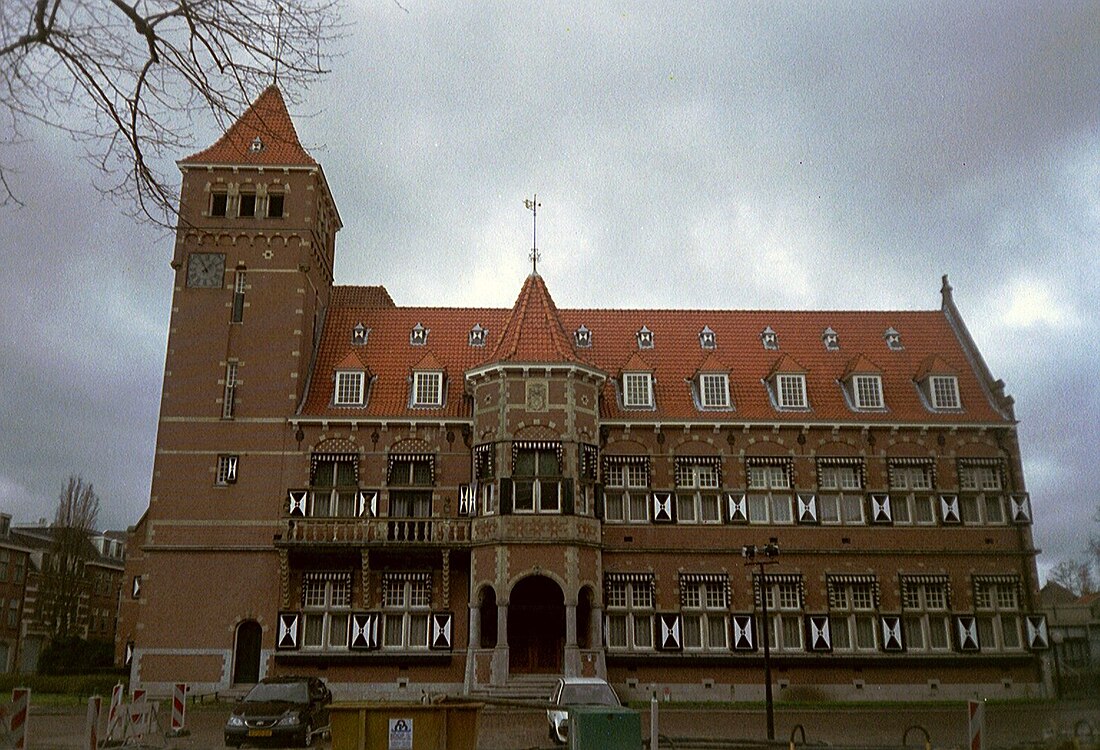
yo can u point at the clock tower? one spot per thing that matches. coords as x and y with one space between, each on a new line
253 262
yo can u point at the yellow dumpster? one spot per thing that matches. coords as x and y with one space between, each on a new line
372 725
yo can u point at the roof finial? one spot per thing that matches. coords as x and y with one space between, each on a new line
278 43
532 205
945 292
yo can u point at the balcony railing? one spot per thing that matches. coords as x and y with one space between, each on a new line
360 531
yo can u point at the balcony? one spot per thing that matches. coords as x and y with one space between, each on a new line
362 532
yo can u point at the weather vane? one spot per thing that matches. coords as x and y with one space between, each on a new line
532 205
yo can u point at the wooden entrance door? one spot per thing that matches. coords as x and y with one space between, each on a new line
246 656
536 627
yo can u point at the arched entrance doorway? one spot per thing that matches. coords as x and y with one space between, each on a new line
246 655
536 626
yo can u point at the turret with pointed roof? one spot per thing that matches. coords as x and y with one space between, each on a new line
534 331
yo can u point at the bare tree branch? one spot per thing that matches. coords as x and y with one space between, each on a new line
64 569
126 78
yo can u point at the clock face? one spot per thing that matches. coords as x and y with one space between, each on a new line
206 270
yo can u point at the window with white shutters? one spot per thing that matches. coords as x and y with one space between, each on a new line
853 601
767 501
840 497
980 491
697 497
704 605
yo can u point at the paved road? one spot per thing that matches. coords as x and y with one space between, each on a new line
1007 726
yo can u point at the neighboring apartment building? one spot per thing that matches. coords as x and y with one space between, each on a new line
96 614
14 562
1074 625
467 500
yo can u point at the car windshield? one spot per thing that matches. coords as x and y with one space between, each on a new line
594 694
287 692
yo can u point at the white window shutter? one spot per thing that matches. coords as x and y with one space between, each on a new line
296 502
744 633
290 624
367 504
442 629
818 636
662 507
1021 508
1038 639
738 507
966 630
363 633
949 509
670 632
880 509
891 633
807 509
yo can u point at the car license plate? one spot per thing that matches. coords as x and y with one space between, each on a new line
259 732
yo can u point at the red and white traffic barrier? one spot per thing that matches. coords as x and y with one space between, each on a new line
91 723
976 712
115 725
179 709
17 725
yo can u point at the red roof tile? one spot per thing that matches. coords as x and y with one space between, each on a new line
534 330
932 365
268 120
860 364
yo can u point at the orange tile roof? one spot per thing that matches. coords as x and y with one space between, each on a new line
861 364
267 119
535 331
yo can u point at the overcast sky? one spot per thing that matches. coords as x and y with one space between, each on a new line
786 156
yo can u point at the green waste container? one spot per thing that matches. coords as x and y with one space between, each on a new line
604 728
371 725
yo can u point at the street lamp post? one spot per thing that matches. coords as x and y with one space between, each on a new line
761 556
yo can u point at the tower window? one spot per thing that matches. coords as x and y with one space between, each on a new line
237 316
247 206
229 397
218 204
275 203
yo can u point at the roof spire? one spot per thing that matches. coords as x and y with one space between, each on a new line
532 205
278 43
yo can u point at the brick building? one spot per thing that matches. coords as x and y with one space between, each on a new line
407 498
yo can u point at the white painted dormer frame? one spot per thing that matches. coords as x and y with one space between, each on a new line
789 391
350 388
943 392
714 391
865 392
427 388
637 390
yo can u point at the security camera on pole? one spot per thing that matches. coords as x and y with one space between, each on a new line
761 556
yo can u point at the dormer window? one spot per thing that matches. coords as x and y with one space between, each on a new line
790 391
893 339
645 338
637 390
427 389
707 339
943 392
582 337
831 340
256 146
714 390
349 388
418 336
359 335
866 391
477 335
769 338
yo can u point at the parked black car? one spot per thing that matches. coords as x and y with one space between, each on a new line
280 711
